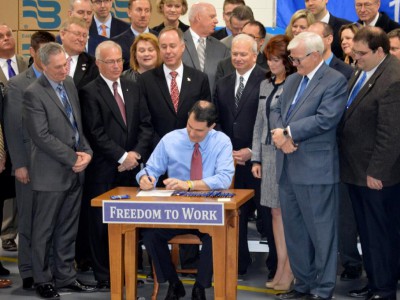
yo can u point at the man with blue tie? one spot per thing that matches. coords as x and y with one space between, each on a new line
305 121
369 138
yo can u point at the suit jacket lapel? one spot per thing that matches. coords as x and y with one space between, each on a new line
81 68
230 88
161 81
129 107
185 87
53 95
3 77
191 49
250 85
109 99
293 89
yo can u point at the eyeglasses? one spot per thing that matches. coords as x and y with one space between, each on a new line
367 5
78 34
297 61
111 62
100 2
359 53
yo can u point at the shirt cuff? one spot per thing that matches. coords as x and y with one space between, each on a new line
123 157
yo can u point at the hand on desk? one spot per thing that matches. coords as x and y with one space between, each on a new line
175 184
146 184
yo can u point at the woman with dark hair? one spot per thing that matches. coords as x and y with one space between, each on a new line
144 55
263 157
172 10
346 34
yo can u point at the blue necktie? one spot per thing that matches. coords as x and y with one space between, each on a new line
356 89
69 112
302 88
11 72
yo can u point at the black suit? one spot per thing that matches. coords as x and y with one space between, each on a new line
385 22
92 43
110 138
336 23
341 67
182 26
125 40
220 34
117 27
238 125
86 70
370 146
156 93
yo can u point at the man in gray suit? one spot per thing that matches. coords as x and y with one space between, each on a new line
203 52
305 121
60 154
19 146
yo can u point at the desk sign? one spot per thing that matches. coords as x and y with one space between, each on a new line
180 213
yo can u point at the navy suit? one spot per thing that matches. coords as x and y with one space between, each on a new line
308 178
125 40
238 124
341 67
117 27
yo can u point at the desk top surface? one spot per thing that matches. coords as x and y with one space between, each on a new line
241 196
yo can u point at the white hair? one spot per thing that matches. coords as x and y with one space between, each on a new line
246 38
312 41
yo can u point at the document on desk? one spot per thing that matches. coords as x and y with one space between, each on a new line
155 193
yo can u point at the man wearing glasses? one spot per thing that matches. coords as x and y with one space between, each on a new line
369 139
307 166
228 7
104 23
369 15
116 121
80 65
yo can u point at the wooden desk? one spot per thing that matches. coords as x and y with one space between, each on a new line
123 244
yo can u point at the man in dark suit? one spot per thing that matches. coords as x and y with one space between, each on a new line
11 65
60 154
227 8
104 23
81 66
139 11
236 98
369 15
256 30
118 126
369 158
192 85
82 9
325 31
319 10
19 145
203 52
307 166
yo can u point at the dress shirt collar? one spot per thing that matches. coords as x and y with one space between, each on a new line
326 18
36 71
195 37
136 33
107 23
312 73
53 84
13 60
329 59
371 72
110 83
373 22
245 76
167 70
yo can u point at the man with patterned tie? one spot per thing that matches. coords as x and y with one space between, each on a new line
307 166
11 64
118 126
236 97
197 158
369 138
60 154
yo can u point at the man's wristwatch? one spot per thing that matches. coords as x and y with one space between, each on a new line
285 132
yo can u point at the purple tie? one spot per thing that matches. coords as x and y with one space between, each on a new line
119 100
11 72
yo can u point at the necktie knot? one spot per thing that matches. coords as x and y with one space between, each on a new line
241 79
11 72
173 74
115 86
196 146
9 61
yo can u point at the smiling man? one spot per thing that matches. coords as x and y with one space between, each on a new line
369 15
369 159
196 158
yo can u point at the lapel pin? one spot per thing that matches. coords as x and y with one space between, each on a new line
369 85
188 79
83 68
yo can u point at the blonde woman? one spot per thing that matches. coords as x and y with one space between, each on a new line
299 22
172 10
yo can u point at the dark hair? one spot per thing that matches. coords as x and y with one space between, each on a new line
41 37
277 46
354 27
241 2
242 13
395 33
131 1
204 111
261 29
374 37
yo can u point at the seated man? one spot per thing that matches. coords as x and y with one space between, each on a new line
196 158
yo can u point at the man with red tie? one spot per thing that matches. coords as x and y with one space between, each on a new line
197 158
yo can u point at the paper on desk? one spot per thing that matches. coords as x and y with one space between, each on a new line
155 193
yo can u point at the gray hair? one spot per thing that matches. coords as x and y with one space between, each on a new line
72 2
312 41
106 45
48 50
197 8
246 38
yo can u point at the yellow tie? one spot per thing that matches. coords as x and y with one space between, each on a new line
103 30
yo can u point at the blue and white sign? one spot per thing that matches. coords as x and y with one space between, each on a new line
180 213
340 8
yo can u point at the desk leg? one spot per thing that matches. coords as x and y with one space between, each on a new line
219 244
232 254
130 263
115 241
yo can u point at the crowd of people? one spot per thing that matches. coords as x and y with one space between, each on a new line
307 119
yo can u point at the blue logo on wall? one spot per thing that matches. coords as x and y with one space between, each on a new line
120 8
46 12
